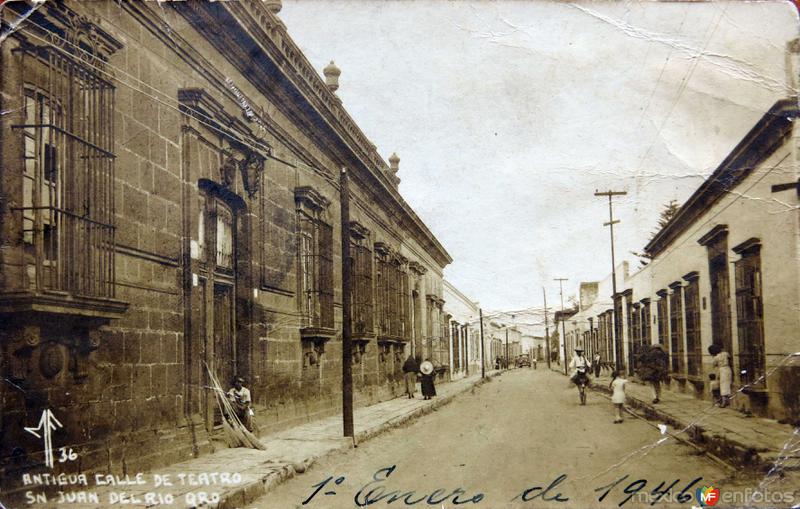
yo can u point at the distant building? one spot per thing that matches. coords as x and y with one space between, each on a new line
566 342
535 346
463 314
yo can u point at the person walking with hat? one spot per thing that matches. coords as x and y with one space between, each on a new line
410 370
428 376
653 369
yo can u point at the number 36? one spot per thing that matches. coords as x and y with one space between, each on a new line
67 455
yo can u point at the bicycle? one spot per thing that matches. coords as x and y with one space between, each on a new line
582 380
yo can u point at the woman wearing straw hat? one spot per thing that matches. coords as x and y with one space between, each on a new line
428 375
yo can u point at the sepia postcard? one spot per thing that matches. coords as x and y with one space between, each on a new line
335 254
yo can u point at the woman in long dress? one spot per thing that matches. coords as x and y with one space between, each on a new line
722 363
428 388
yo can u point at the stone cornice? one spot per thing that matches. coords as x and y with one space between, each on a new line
198 103
691 276
358 230
75 28
417 268
749 246
435 299
310 198
713 235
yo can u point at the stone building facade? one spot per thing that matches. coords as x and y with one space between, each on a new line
169 208
725 271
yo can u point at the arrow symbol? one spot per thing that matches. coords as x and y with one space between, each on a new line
47 424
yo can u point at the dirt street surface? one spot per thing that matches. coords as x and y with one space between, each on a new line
522 441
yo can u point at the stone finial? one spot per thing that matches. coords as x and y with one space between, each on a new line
394 167
273 6
394 163
332 74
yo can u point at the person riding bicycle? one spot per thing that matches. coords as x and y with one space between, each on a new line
580 366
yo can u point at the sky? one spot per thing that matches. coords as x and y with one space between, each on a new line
508 115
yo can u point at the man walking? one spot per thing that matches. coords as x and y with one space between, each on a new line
410 370
596 365
653 369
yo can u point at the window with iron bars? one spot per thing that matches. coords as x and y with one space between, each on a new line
750 317
676 329
361 276
67 212
644 325
694 352
391 291
315 239
663 321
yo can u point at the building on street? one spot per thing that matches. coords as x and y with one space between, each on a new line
723 271
169 206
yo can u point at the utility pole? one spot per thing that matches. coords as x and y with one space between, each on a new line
347 327
483 359
465 354
563 328
506 346
546 329
611 222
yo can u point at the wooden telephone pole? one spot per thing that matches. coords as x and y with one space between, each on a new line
546 329
563 327
611 222
483 351
347 326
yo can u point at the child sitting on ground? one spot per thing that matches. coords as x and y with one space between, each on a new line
618 397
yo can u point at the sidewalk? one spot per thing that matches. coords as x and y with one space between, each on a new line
744 441
287 453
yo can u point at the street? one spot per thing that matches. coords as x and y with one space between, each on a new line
525 430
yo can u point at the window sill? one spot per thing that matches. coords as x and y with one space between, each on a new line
317 334
58 303
392 339
678 376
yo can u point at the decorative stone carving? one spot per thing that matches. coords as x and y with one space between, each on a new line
92 342
273 6
252 168
227 172
382 249
51 360
78 30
